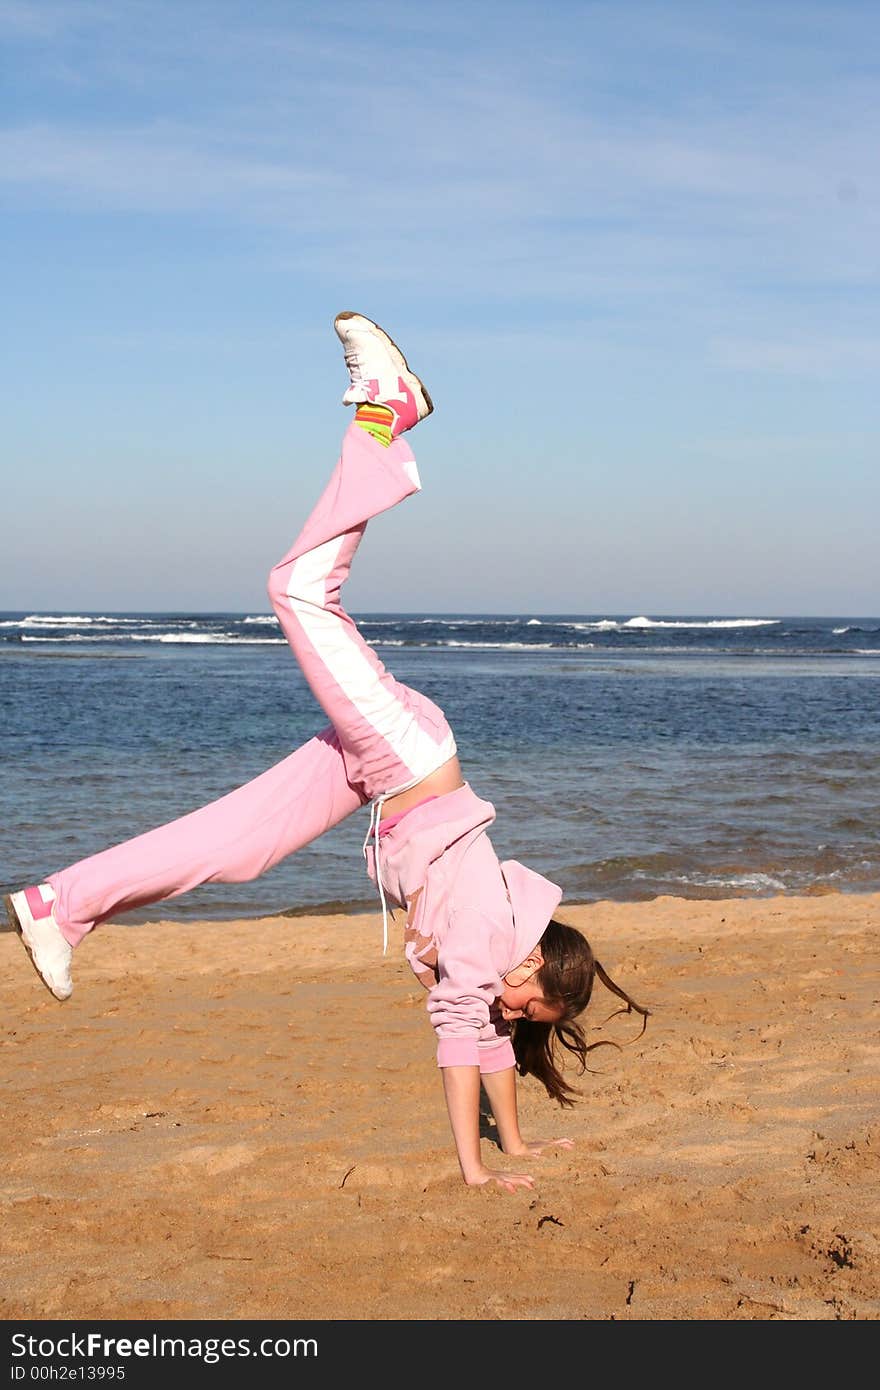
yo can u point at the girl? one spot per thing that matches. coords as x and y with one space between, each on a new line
505 981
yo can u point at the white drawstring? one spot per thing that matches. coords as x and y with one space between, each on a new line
375 817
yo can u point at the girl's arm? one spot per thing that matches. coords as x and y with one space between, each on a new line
461 1086
500 1087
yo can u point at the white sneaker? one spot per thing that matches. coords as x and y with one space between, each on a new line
31 914
378 372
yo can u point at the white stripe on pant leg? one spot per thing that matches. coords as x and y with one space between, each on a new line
409 468
351 670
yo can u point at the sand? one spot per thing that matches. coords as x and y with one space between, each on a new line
244 1120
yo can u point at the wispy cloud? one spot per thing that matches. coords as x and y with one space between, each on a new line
810 357
164 168
26 19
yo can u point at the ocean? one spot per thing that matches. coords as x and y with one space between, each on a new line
626 756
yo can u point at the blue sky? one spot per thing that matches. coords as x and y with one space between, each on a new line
631 247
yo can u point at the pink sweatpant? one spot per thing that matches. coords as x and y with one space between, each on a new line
383 737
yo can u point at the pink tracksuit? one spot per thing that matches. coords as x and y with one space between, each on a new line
470 919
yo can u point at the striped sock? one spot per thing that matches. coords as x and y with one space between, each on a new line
376 420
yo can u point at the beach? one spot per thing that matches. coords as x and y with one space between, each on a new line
244 1119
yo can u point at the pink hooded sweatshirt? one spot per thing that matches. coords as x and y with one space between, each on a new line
470 919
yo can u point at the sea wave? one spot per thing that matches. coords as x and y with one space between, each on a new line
443 643
459 642
506 646
709 622
208 638
42 621
754 882
73 620
589 624
521 646
76 637
456 622
193 638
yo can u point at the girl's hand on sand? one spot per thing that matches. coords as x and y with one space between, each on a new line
537 1146
509 1181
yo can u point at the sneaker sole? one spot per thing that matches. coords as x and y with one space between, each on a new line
394 350
16 926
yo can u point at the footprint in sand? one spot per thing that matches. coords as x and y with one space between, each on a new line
215 1158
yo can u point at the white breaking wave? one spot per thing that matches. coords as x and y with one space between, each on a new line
506 646
460 622
262 618
484 646
737 881
520 646
838 631
42 621
698 880
205 638
74 620
867 651
713 622
200 639
533 622
599 625
619 625
88 637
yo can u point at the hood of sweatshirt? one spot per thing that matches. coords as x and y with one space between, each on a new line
533 899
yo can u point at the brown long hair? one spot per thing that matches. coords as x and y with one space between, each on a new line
566 979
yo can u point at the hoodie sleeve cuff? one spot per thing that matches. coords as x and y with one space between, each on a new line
458 1052
497 1058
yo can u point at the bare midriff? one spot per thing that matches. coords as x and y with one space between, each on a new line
446 779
